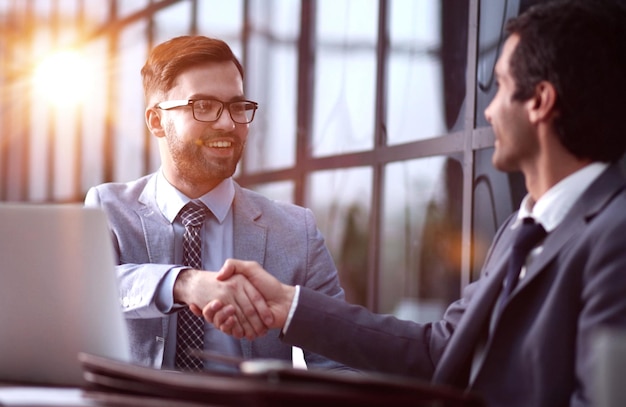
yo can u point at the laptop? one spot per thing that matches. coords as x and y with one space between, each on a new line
58 293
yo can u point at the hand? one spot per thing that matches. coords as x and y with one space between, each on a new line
196 288
278 297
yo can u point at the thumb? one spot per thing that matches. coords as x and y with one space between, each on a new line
227 270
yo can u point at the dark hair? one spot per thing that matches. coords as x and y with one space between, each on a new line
579 46
169 59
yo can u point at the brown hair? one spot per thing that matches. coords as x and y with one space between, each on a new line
169 59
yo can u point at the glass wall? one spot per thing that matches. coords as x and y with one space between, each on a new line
421 244
371 114
341 200
345 72
272 81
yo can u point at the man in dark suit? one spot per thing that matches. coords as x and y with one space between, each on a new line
558 117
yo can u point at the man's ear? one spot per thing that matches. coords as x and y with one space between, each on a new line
153 121
542 105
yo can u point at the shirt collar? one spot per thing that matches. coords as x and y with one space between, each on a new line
552 207
170 200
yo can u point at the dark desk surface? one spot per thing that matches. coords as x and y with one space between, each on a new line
113 383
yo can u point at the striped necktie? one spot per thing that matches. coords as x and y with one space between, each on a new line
190 332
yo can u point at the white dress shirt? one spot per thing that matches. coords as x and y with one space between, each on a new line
552 206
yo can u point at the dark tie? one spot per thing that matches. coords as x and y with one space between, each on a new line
190 332
528 235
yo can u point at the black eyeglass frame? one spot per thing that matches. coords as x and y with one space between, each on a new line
173 104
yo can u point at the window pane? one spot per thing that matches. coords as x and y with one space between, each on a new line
341 201
345 72
172 21
94 117
127 7
18 55
64 129
96 13
279 191
272 81
129 106
40 117
421 238
496 196
427 61
221 19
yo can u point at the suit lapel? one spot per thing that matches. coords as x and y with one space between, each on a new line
250 240
592 201
250 235
453 368
157 230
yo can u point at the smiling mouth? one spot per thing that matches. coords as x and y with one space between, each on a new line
215 143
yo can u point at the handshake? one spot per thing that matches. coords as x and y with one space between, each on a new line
246 301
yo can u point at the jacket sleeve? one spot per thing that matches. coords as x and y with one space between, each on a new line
139 280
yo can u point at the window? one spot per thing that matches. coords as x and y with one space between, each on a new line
370 113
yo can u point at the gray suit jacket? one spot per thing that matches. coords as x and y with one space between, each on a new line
283 238
540 350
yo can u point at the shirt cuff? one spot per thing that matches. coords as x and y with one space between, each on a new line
292 310
164 298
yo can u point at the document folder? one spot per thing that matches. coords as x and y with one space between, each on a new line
120 382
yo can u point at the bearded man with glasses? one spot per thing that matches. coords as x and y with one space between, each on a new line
197 110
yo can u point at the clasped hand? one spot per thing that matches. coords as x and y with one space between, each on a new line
251 301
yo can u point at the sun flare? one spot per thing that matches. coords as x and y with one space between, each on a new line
63 78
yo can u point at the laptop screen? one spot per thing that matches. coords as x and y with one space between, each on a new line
58 293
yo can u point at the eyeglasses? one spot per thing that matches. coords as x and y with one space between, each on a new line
210 110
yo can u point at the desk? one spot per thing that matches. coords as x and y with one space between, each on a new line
113 383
